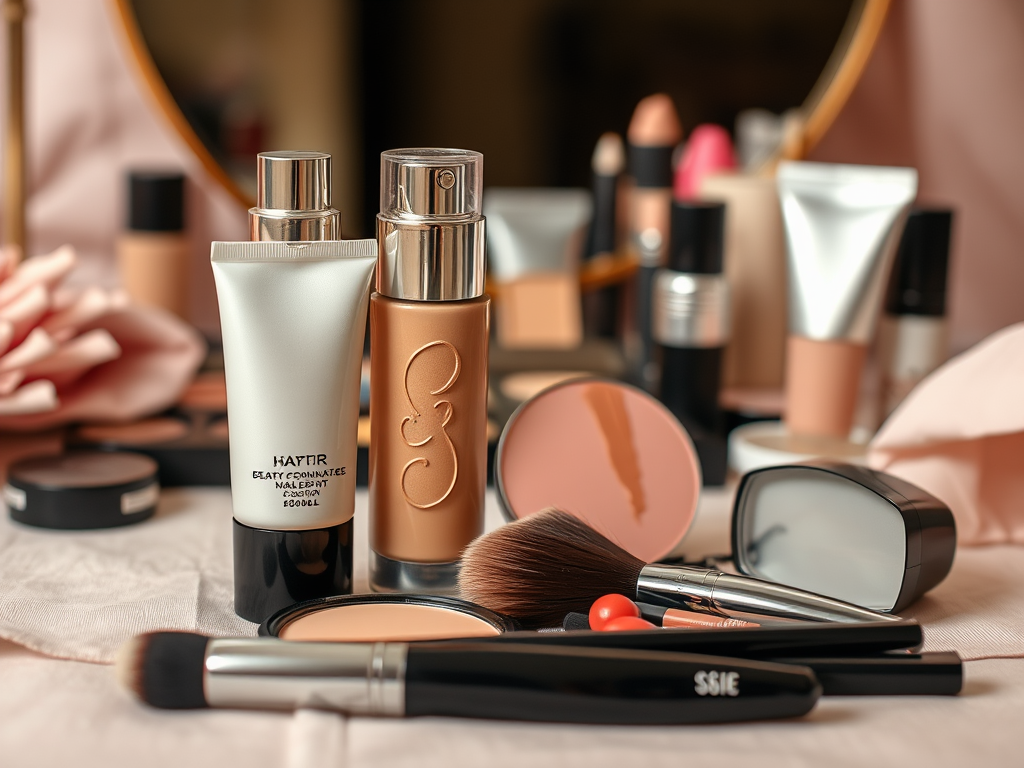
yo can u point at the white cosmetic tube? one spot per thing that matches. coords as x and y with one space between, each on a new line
293 317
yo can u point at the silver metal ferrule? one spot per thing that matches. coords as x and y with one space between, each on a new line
293 198
690 310
710 591
266 673
430 231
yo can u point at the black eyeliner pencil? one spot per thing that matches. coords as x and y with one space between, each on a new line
804 640
177 670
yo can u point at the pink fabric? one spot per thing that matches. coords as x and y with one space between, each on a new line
83 355
88 122
960 436
942 93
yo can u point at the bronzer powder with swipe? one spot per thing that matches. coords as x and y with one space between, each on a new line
607 453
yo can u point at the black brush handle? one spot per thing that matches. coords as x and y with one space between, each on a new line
897 674
811 639
574 685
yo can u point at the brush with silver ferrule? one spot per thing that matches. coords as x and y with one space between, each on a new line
179 670
546 565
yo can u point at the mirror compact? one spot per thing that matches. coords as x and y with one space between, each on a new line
843 531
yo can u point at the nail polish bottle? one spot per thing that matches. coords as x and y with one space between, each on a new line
429 321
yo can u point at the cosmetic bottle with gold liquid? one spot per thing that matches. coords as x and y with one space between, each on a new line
428 370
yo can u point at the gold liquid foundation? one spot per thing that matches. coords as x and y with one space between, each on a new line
428 370
153 255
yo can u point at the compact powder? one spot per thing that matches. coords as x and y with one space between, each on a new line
82 489
385 622
607 453
384 617
219 429
207 393
148 432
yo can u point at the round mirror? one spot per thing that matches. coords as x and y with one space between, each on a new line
531 84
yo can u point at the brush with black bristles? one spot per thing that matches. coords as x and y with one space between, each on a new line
181 670
544 566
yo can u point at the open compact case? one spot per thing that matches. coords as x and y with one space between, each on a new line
616 458
843 531
384 618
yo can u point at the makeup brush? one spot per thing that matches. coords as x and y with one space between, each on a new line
180 670
544 566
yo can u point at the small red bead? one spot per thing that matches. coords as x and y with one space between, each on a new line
611 607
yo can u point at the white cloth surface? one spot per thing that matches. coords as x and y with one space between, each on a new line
184 555
80 595
56 713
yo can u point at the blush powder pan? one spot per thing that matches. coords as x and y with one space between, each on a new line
384 618
608 453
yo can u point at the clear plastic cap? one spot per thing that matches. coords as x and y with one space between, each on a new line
431 183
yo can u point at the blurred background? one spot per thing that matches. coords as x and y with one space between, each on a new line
184 94
531 84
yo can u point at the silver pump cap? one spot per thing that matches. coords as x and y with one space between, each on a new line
293 198
430 230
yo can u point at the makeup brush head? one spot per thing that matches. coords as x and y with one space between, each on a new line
164 669
544 566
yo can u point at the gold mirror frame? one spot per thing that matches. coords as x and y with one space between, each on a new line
815 116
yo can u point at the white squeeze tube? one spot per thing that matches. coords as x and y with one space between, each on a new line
293 318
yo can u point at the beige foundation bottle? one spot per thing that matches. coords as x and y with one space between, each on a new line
153 254
429 323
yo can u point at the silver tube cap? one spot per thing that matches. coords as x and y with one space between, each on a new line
293 198
430 230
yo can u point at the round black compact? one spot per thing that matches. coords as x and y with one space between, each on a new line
82 489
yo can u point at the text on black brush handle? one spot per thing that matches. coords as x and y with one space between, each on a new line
716 683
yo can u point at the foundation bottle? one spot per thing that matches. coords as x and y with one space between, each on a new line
429 321
153 254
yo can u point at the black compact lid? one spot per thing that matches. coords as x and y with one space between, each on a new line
927 522
156 201
272 627
918 284
697 237
82 489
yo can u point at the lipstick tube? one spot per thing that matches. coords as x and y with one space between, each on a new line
429 324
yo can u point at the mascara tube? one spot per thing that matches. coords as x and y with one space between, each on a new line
690 324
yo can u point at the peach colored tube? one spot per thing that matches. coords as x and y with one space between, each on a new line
689 620
822 385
